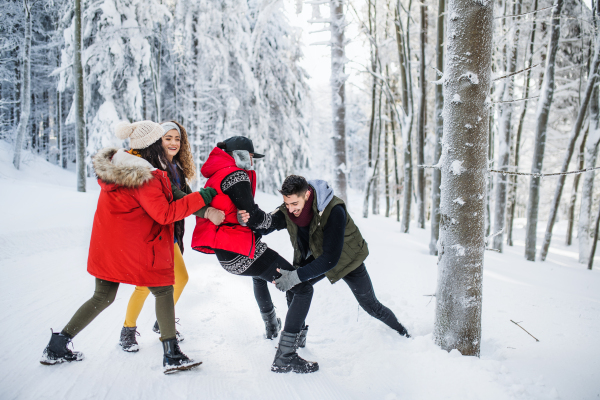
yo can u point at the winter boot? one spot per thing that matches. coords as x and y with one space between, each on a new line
174 360
156 329
286 358
302 339
57 351
272 324
127 341
403 332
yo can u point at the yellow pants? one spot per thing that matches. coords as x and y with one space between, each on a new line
139 295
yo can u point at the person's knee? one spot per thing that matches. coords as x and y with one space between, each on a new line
260 283
372 306
303 289
162 291
104 298
183 278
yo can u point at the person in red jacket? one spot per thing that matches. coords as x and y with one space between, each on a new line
132 240
241 252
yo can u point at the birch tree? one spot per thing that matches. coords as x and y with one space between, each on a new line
542 114
25 87
464 168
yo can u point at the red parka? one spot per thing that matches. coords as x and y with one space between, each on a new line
230 235
132 236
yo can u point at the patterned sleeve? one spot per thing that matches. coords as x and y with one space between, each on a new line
237 186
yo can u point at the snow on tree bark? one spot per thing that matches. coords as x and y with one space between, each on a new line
439 132
421 121
79 100
504 135
543 111
587 191
592 78
338 80
25 88
462 239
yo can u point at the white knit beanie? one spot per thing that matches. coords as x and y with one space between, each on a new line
141 134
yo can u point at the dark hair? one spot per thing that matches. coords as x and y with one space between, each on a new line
155 155
294 184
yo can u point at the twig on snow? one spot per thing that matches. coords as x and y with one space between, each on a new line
536 339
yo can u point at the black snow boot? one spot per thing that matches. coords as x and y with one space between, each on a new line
128 341
272 324
57 351
403 332
286 358
174 360
302 339
156 329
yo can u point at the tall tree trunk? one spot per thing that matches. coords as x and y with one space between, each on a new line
396 175
421 122
374 57
587 192
155 67
79 101
543 112
570 148
513 178
505 133
386 160
338 79
25 88
573 199
464 170
377 149
595 241
439 132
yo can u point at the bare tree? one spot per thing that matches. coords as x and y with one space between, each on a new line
439 132
573 199
338 93
504 135
79 100
25 87
593 75
421 120
464 169
543 112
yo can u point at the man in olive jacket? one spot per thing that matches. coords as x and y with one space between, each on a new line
327 243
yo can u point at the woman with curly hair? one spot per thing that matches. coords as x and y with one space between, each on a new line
175 158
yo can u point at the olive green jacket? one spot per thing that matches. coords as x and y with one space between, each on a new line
355 249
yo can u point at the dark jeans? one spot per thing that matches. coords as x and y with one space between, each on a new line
298 304
104 295
362 288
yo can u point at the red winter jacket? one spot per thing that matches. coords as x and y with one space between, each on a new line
230 235
132 235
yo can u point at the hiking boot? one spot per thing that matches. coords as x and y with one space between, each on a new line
272 324
128 341
57 351
174 360
302 339
286 358
179 336
403 332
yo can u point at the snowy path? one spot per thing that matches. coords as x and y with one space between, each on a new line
44 235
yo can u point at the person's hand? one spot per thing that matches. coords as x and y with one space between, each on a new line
243 216
207 194
288 280
214 215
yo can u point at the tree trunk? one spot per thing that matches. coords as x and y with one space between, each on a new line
464 170
25 88
587 192
338 79
396 175
79 101
377 147
573 200
595 242
421 122
543 112
504 135
514 181
386 161
439 132
571 147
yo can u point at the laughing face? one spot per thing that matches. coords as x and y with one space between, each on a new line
295 204
171 142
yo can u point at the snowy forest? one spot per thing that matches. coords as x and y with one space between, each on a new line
469 129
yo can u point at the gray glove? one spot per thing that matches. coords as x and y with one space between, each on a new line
288 280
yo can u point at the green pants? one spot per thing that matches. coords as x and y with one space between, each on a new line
104 295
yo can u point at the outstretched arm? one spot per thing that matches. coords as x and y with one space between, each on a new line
237 186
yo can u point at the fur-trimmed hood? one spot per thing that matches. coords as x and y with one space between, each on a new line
117 167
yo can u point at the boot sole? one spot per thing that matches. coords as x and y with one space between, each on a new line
177 368
46 361
289 368
133 349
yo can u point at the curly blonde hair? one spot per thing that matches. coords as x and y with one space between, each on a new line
184 157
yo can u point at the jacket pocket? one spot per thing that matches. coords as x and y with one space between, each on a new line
160 254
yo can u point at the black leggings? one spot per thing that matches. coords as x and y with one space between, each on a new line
298 303
362 289
104 295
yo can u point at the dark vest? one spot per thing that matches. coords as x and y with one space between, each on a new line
355 249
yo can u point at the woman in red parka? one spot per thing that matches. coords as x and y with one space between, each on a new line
132 239
229 169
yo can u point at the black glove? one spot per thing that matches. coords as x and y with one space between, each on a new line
207 194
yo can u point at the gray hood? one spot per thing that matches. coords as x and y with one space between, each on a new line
324 193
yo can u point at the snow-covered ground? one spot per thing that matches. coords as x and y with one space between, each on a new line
44 236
